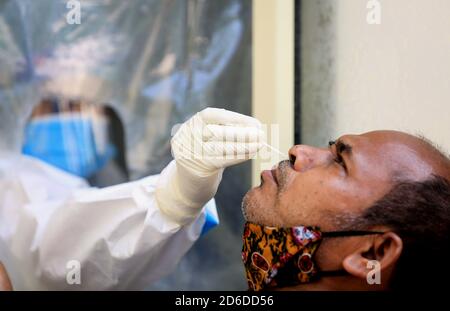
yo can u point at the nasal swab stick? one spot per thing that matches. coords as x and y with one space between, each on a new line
274 149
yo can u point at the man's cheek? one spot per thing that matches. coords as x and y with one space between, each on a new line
259 207
292 210
302 207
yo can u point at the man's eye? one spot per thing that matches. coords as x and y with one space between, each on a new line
338 159
292 159
340 148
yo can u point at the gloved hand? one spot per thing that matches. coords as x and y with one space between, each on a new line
210 141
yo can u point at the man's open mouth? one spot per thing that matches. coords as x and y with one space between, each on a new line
277 174
274 175
269 176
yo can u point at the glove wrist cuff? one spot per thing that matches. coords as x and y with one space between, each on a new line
181 194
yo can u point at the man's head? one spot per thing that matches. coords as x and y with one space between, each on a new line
358 182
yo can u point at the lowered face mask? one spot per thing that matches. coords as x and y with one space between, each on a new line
278 257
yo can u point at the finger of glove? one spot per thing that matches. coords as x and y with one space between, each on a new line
226 117
205 156
227 154
223 133
221 150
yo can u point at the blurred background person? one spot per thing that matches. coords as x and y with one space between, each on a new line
119 237
5 283
82 139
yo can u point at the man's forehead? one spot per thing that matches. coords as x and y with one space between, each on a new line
380 137
393 149
385 139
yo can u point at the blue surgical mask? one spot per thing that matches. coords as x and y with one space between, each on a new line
67 141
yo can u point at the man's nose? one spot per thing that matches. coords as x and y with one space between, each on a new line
304 157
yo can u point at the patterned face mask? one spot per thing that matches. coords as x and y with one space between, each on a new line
277 257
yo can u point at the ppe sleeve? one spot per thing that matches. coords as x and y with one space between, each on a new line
96 239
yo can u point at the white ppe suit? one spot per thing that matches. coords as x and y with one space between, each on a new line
120 237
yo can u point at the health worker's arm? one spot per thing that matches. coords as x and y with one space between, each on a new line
56 235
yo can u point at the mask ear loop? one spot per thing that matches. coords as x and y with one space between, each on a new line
337 234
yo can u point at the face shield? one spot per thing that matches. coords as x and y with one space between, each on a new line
155 64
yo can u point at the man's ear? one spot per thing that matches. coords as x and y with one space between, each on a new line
385 248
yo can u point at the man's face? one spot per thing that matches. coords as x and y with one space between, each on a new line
320 185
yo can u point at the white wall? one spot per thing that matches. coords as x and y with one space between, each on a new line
358 77
273 76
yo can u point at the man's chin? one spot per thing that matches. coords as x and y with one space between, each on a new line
258 207
245 203
250 205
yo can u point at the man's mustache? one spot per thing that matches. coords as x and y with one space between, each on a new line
282 174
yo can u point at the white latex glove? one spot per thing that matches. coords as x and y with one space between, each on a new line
210 141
